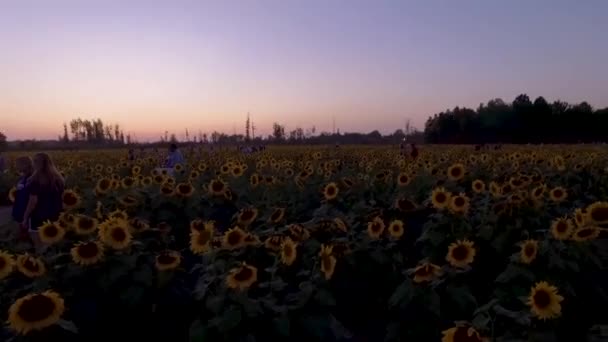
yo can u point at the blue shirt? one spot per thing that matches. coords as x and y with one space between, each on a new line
21 199
174 158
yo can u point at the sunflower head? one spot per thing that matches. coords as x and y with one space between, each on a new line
138 225
30 266
234 238
298 233
558 194
478 186
168 260
440 198
330 191
51 233
405 205
461 253
277 215
288 251
459 204
597 213
184 189
586 233
328 261
242 277
7 264
396 229
104 185
70 199
375 228
544 301
87 253
426 272
115 233
128 200
561 228
35 312
119 214
274 242
201 240
528 251
217 187
85 225
403 179
456 172
580 217
462 332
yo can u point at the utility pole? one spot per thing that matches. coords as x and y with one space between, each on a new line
333 125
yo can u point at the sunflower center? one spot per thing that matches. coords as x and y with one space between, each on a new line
104 184
288 250
460 252
276 215
88 250
403 179
455 172
405 204
51 231
3 263
459 201
37 308
558 193
376 227
599 214
234 238
118 234
204 237
562 227
31 265
542 299
441 197
529 250
244 274
184 189
584 233
69 199
423 271
166 259
462 335
331 191
247 215
217 186
85 223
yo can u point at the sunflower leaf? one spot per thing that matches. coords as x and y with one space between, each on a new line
68 326
198 332
282 325
402 295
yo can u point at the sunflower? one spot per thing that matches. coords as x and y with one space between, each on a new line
128 200
128 182
288 251
217 187
158 179
12 194
561 228
298 233
328 261
115 233
440 198
30 266
586 233
396 229
254 180
277 215
544 301
198 225
247 216
51 233
178 168
70 199
274 242
242 277
138 225
234 238
597 213
495 189
459 204
375 228
85 225
580 217
558 194
168 260
461 253
237 171
184 189
99 210
200 240
330 191
405 204
403 179
6 264
103 186
528 251
167 189
461 333
252 240
340 224
426 272
478 186
35 312
87 253
456 172
119 214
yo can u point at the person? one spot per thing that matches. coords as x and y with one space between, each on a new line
45 187
25 168
175 157
131 155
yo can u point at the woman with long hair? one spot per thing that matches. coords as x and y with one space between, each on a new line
25 167
45 187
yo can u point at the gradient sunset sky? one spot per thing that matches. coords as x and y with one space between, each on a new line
153 66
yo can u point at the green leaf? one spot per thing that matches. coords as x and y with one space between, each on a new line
325 297
480 322
282 325
462 297
68 326
215 303
402 295
197 332
230 319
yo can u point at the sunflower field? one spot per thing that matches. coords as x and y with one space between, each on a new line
318 244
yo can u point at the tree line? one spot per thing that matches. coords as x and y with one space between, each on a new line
518 122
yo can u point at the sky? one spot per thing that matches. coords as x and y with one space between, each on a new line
152 66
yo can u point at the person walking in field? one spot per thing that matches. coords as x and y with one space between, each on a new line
45 187
175 157
25 167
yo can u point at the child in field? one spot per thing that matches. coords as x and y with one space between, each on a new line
25 167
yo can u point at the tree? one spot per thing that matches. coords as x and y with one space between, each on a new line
278 132
65 138
247 128
3 141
